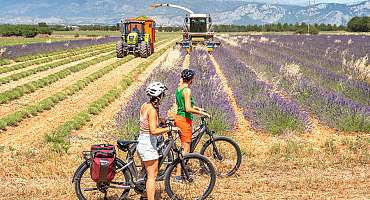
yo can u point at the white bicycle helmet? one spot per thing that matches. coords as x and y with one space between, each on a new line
155 89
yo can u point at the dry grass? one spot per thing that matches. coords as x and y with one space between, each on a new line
288 170
357 68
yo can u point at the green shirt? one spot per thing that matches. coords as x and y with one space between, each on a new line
181 104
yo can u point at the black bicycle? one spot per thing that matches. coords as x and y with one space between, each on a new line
223 151
197 172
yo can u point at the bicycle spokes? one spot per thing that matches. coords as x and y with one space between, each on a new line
193 180
223 155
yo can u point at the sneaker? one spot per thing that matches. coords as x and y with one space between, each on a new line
178 178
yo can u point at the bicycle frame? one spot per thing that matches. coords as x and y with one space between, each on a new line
132 167
199 132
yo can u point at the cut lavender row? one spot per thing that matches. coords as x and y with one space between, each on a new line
265 109
208 92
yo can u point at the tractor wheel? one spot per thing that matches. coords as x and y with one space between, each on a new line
143 49
119 49
125 51
149 50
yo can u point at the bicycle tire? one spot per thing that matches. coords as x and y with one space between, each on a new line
201 159
233 143
85 166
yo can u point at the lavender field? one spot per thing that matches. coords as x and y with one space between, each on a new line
282 81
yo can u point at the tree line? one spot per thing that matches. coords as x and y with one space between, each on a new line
26 30
359 24
299 28
23 30
356 24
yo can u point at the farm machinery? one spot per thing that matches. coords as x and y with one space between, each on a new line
197 29
137 37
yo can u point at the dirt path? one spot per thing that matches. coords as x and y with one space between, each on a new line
45 73
32 129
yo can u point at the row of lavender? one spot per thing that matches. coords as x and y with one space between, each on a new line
341 110
357 90
36 48
209 94
127 120
266 110
332 45
337 53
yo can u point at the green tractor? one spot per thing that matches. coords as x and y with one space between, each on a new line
138 37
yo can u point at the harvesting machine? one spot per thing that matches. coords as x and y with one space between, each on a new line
197 29
137 37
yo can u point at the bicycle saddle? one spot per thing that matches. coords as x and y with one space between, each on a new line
124 145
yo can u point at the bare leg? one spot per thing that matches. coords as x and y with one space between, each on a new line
186 147
152 171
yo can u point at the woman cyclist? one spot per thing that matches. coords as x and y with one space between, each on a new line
185 110
149 130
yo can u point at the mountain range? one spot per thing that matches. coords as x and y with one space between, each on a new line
223 11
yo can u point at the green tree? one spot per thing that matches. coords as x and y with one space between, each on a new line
359 24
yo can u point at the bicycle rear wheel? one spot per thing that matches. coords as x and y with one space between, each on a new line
224 153
87 189
198 178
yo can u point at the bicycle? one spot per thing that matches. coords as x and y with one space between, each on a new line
127 175
225 153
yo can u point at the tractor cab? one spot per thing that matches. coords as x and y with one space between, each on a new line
132 31
138 37
198 30
198 23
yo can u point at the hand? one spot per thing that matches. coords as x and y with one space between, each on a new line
200 109
206 115
174 128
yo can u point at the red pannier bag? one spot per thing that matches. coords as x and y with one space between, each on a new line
103 162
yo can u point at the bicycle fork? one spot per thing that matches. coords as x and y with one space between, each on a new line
185 169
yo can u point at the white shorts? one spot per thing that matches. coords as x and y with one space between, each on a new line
147 147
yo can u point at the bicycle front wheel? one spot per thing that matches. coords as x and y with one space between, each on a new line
224 153
195 180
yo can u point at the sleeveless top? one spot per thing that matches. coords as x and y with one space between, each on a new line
144 121
181 104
